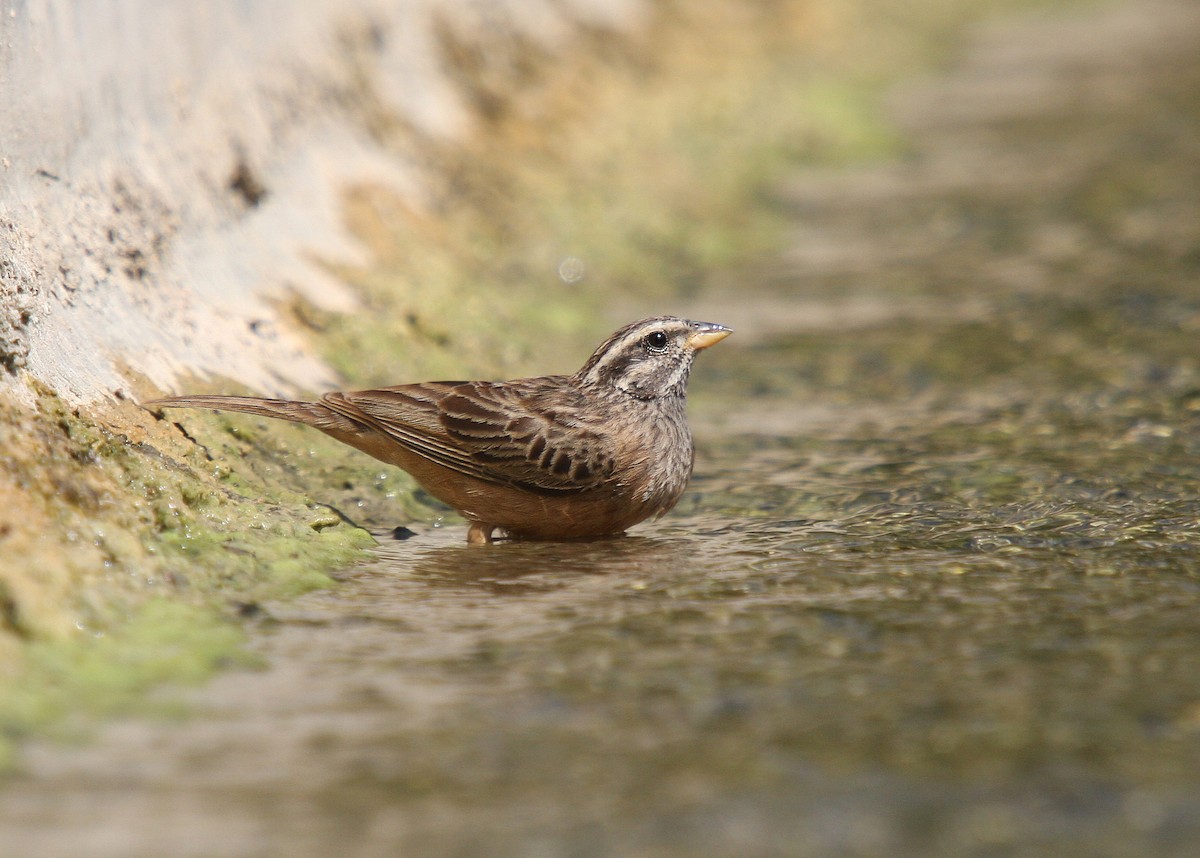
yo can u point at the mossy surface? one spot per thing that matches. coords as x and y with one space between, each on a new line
130 550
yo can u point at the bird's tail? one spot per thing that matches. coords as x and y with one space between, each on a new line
310 413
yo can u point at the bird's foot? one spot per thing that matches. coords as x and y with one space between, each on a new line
480 534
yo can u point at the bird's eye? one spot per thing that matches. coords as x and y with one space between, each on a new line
656 341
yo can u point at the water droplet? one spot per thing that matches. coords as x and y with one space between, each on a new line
571 269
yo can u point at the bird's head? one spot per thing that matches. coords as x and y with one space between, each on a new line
650 359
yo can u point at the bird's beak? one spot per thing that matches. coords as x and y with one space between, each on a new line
705 334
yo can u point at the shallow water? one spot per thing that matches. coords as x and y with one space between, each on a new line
935 590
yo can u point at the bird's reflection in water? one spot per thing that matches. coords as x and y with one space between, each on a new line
515 568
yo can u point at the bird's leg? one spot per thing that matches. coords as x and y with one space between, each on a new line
480 534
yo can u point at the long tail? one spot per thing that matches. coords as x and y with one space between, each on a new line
310 413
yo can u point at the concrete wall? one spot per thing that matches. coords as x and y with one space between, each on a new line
170 169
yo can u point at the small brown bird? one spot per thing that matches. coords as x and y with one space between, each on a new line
554 457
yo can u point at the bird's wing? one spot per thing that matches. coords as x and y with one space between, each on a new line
408 415
531 433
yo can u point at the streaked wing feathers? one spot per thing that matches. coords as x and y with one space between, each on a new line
529 433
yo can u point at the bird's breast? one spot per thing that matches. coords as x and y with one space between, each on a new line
658 459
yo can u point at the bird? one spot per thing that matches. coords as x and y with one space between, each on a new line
556 457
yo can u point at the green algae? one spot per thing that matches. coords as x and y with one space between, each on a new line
64 684
160 549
